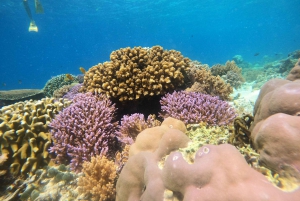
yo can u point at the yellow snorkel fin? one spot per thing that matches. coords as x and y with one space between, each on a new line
33 27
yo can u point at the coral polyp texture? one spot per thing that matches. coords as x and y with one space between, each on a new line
57 82
24 134
98 179
84 129
193 107
131 125
205 82
133 73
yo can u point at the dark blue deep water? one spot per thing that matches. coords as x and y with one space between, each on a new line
84 33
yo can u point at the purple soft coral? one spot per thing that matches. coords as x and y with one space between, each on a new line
193 107
83 130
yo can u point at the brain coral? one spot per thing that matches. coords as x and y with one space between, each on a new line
24 134
138 72
83 130
57 82
193 107
99 179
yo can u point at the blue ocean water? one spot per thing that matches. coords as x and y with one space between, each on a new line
84 33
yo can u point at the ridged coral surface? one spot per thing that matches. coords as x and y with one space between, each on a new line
24 134
83 130
193 107
137 72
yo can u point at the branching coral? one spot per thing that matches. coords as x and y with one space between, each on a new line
193 107
83 130
24 134
138 72
204 82
132 125
99 179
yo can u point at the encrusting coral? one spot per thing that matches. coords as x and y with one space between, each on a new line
219 172
204 82
99 177
24 134
85 129
133 73
194 107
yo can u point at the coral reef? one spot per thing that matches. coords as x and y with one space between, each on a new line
57 82
147 175
131 125
204 82
138 72
24 134
99 177
194 107
231 73
51 183
83 130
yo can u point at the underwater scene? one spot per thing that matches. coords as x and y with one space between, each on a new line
149 100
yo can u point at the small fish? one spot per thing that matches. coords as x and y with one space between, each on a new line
256 54
20 81
82 70
3 84
69 77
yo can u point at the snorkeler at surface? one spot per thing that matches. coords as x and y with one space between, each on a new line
38 9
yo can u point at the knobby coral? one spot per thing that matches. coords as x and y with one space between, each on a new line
99 179
204 82
193 107
138 72
83 130
231 73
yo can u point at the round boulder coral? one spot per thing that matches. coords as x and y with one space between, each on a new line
83 130
193 107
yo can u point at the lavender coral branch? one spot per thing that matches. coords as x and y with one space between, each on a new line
132 125
83 130
194 107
